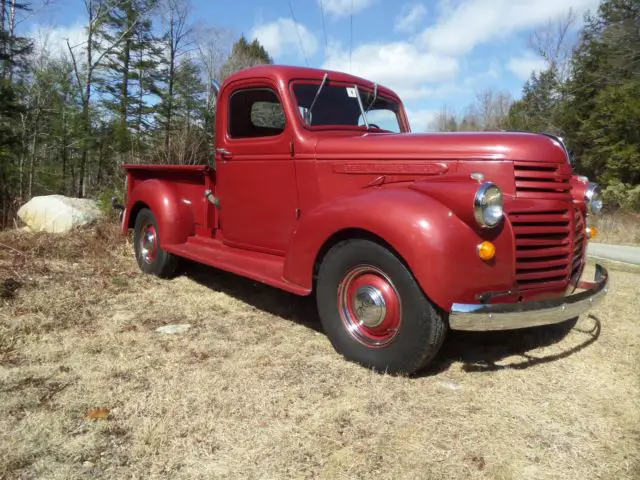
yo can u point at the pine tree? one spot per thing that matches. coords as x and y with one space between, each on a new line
602 110
245 54
597 109
537 110
174 41
189 115
50 127
14 50
124 74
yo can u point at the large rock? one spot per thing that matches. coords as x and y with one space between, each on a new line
58 214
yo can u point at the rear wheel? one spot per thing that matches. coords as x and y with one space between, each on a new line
374 312
150 257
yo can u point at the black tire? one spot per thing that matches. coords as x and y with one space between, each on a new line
161 263
403 350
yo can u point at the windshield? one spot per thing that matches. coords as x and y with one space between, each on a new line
337 105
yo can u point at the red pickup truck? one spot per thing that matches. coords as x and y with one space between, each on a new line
318 187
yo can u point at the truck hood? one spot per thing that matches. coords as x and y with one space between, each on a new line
517 146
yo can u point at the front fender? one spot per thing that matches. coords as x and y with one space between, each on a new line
439 247
175 219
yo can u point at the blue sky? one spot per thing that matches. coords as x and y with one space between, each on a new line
432 52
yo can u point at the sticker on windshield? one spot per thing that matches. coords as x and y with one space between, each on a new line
351 91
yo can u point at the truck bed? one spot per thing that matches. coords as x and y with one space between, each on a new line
186 185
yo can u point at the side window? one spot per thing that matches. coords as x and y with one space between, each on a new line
255 113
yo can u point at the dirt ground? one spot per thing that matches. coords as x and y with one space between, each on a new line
254 389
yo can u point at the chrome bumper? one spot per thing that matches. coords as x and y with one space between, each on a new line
509 316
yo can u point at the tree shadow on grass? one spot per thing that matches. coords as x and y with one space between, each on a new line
477 351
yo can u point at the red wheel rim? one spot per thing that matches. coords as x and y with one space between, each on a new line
148 243
369 306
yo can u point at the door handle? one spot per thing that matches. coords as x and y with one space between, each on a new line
224 153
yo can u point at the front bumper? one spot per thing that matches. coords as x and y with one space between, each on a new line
509 316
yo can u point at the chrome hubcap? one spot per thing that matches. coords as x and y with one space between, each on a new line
148 241
369 306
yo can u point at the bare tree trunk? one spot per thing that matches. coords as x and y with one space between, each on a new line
21 159
86 119
3 14
177 33
138 142
124 101
32 163
553 42
85 84
101 158
86 127
64 151
170 87
3 9
12 28
3 29
73 174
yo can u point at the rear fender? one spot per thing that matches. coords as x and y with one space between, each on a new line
439 248
175 219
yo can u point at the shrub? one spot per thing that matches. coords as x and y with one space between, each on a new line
622 195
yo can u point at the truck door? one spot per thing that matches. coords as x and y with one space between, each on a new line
256 182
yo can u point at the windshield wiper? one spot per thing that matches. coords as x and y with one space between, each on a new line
308 113
364 114
375 97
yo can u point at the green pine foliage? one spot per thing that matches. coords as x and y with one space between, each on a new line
14 50
245 54
597 109
68 125
126 75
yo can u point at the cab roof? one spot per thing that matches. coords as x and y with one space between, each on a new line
287 73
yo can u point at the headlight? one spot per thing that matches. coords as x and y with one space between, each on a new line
593 197
488 205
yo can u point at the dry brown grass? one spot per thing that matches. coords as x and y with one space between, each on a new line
254 390
619 227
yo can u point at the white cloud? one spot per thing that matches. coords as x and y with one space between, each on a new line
284 37
410 17
399 65
472 22
49 40
421 120
522 67
344 8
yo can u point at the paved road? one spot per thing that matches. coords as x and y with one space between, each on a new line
619 253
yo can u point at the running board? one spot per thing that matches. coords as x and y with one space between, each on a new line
258 266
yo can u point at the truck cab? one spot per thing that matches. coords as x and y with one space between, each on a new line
319 187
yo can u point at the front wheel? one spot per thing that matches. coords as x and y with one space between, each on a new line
146 238
374 312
